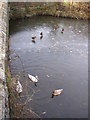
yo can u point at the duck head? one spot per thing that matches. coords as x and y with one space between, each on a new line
33 37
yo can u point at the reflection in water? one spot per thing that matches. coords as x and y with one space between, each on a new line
59 60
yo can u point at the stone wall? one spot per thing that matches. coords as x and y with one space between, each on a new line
3 38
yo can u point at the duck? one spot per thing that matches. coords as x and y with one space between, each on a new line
19 87
57 92
62 30
56 27
41 35
33 79
33 39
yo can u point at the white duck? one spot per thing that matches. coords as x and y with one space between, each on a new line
57 92
33 79
19 87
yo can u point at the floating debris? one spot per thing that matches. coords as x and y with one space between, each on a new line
52 38
57 92
70 51
43 113
79 31
33 79
48 76
19 87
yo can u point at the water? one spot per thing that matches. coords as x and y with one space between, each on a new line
59 60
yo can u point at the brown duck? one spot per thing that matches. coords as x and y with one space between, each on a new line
57 92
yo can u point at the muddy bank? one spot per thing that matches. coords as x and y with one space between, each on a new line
75 10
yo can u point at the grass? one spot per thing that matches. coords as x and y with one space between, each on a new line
76 10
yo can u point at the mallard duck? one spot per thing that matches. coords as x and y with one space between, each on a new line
62 30
19 87
33 39
57 92
56 27
41 35
33 79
